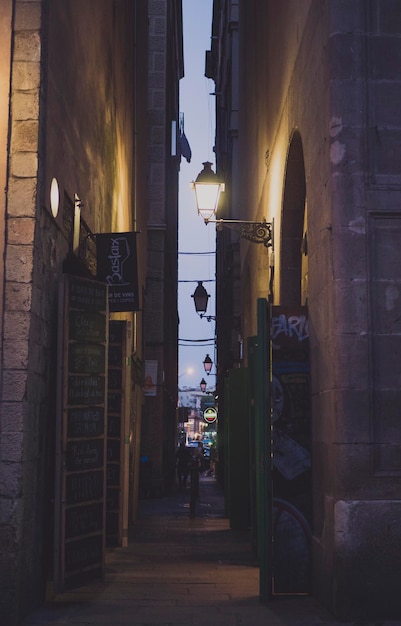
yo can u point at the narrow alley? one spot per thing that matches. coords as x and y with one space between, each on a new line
181 570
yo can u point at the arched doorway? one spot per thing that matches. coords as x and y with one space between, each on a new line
294 270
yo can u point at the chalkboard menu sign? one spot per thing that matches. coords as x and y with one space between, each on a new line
83 520
85 421
81 432
84 455
84 487
115 431
86 358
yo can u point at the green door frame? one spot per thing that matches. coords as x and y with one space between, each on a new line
260 376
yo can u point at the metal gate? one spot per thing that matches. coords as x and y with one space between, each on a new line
281 502
291 451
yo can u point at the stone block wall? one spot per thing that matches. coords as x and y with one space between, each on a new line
362 510
24 344
330 72
72 104
165 68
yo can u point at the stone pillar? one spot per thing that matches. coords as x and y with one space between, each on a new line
20 564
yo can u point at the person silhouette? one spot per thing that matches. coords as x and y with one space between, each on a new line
183 458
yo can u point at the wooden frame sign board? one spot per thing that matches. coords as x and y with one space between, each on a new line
118 428
81 432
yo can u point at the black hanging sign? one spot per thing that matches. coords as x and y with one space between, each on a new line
117 267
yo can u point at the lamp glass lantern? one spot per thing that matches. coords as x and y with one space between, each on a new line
208 188
54 197
203 385
207 364
201 298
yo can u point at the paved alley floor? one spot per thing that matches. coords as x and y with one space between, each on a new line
182 570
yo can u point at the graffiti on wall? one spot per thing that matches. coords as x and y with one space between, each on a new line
291 472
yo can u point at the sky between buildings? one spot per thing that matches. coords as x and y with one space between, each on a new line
197 242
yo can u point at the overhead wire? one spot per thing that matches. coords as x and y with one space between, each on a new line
197 340
199 253
201 345
208 280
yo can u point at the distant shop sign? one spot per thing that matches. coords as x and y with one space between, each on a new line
210 415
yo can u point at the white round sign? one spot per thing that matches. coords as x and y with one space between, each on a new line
210 415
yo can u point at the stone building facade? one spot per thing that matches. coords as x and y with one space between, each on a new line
308 136
74 109
166 68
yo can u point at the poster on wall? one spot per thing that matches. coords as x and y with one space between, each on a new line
117 267
150 386
81 432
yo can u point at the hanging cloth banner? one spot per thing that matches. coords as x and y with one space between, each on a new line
117 267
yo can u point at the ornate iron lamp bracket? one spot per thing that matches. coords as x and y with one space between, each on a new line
257 232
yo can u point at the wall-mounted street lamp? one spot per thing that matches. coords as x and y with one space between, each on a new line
208 188
207 364
54 197
201 298
203 386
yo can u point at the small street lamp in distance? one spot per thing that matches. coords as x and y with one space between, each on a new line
207 364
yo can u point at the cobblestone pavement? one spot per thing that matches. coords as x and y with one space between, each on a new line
182 570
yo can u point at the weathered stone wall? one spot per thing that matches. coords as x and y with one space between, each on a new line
161 318
5 72
360 443
24 332
74 113
330 71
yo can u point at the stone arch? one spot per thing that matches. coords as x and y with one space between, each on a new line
293 273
